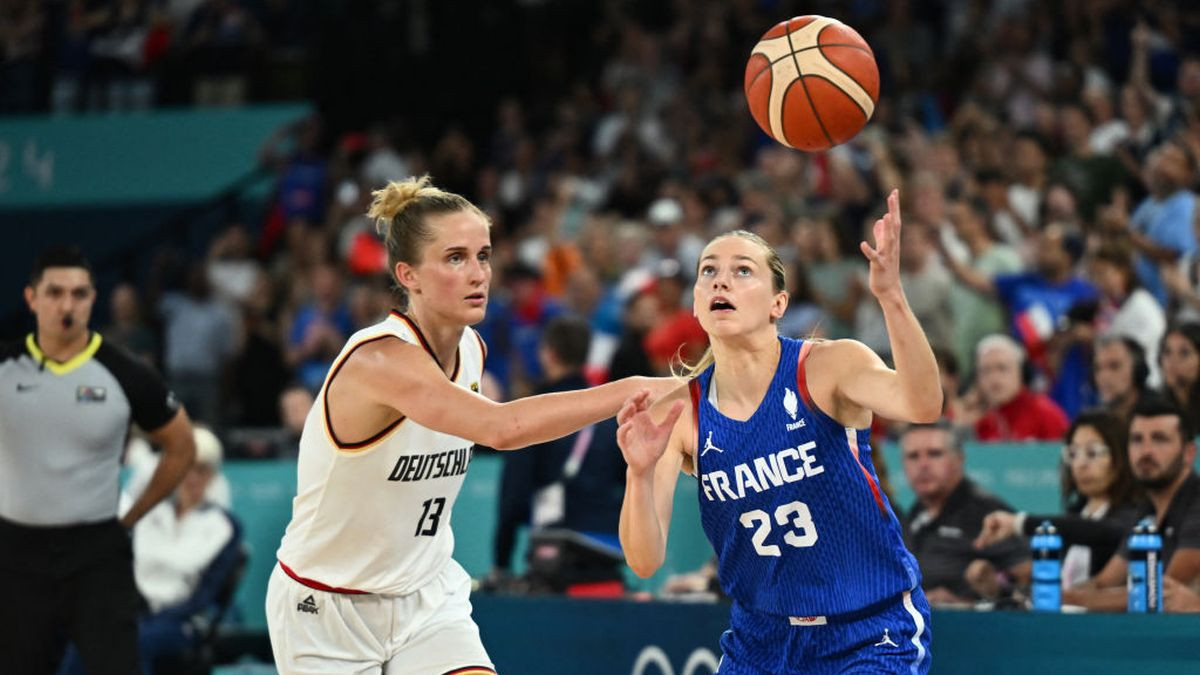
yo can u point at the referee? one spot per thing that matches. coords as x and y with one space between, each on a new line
67 399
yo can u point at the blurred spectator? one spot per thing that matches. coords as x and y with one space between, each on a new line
293 151
976 314
942 525
670 240
1179 358
531 310
232 270
834 277
1028 185
1125 307
1013 412
927 283
630 358
1090 175
576 482
319 328
184 550
199 339
21 29
128 327
116 78
1122 373
1049 308
1098 493
1162 451
219 39
677 332
1162 224
803 318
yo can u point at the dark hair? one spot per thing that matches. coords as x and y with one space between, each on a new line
1155 405
1190 331
1137 353
1119 254
1115 432
568 338
1035 138
61 255
942 424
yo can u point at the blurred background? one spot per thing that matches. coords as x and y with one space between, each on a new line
214 158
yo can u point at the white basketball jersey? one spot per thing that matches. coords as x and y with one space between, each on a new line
373 515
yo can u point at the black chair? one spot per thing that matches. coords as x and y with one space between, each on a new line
201 657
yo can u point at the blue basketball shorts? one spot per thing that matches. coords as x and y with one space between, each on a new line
892 637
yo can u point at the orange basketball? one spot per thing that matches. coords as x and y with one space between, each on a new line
812 82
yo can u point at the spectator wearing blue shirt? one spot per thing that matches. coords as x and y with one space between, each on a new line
320 328
1162 224
1045 306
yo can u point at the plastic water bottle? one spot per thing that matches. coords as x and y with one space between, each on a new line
1047 568
1144 582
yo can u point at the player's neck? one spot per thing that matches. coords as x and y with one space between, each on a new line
443 337
744 367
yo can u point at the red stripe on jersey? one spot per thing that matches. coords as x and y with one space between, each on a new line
316 584
852 440
801 378
694 390
471 670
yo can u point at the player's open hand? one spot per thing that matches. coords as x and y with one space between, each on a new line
885 256
642 440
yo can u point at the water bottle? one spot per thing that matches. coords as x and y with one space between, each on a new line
1144 582
1047 568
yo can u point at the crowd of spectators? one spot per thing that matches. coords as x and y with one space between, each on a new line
1046 153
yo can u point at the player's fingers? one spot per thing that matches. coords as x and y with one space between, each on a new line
872 254
627 411
894 207
672 417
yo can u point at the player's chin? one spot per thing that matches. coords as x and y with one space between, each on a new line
473 312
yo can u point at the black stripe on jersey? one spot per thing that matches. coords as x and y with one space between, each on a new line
329 383
151 404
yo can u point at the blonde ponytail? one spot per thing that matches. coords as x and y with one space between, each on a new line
400 211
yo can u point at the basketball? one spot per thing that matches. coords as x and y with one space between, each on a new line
811 83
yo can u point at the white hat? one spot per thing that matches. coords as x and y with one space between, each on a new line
208 446
665 211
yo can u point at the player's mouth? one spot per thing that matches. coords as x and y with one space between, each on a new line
721 305
476 299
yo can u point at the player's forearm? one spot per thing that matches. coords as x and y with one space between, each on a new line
537 419
641 534
176 460
916 368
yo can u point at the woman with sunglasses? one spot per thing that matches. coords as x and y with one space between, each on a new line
1098 492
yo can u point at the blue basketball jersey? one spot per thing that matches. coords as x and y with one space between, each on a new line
791 504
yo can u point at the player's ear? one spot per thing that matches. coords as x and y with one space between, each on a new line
406 276
779 305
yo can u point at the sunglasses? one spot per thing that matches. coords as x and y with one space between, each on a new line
1088 451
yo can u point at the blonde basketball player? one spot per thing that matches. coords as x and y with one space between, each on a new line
365 582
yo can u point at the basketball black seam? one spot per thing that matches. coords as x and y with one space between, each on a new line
813 106
772 63
839 88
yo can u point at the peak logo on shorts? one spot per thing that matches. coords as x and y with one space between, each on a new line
308 606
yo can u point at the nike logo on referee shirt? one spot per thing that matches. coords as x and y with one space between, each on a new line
21 388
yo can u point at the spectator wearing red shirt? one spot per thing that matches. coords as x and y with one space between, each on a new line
1013 412
677 330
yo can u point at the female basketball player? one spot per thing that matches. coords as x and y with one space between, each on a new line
365 582
808 547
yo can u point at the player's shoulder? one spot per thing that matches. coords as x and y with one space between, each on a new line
840 352
122 363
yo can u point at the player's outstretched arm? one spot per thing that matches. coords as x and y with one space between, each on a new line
651 440
400 376
912 391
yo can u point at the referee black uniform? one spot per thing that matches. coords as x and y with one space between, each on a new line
65 559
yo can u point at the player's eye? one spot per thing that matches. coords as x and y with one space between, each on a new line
707 270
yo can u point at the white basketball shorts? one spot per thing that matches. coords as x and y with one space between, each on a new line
427 632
